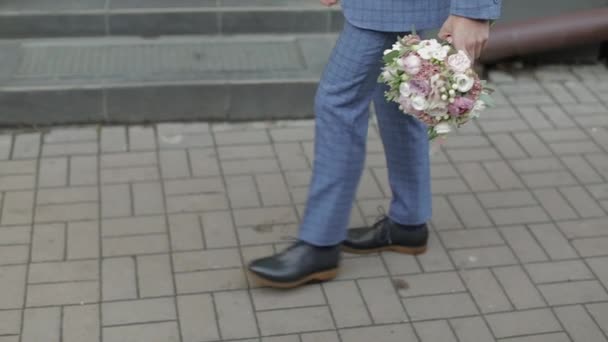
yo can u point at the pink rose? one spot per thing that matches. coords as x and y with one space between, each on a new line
460 106
420 87
411 64
459 62
410 40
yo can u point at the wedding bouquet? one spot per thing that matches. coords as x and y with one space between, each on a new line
435 83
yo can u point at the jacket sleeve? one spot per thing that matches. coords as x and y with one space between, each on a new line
476 9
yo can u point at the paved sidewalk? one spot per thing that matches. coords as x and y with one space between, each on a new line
140 234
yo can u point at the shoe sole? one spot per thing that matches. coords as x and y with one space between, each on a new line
398 249
315 277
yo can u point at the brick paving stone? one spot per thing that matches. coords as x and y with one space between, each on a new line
534 117
346 304
558 271
486 291
369 188
578 292
113 139
141 138
559 92
268 299
63 271
15 235
154 275
81 323
532 144
518 287
62 293
294 320
147 199
48 242
174 164
507 146
273 190
582 202
363 267
574 148
555 204
471 329
591 246
440 306
503 176
431 284
10 322
17 207
554 337
468 238
10 255
6 144
501 126
483 257
119 279
186 232
444 170
116 200
398 264
436 258
12 282
291 156
242 137
530 214
204 162
390 333
206 260
53 172
152 332
470 211
523 244
41 324
434 331
267 234
448 186
127 175
292 134
66 212
138 311
523 323
67 195
557 116
218 229
581 169
546 179
69 149
534 165
83 170
553 242
236 317
132 226
382 301
506 199
242 192
579 325
444 217
326 336
600 268
26 146
197 318
133 245
207 281
599 312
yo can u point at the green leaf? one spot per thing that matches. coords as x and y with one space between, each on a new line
489 101
390 56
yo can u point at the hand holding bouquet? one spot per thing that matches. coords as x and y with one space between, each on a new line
434 82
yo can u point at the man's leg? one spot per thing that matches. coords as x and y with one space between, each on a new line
342 114
407 153
406 146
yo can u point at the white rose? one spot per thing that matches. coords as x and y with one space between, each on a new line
464 82
443 128
477 108
404 89
397 46
459 62
427 48
389 73
419 103
442 53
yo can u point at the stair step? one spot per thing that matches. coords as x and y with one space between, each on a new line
151 18
129 79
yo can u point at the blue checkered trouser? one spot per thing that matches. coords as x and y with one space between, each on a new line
347 87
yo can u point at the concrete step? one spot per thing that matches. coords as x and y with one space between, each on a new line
128 79
151 18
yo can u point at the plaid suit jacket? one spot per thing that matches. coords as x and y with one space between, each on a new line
402 15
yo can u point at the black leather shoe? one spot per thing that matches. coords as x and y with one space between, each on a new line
299 264
386 235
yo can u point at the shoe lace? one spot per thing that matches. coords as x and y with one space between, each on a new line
384 235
